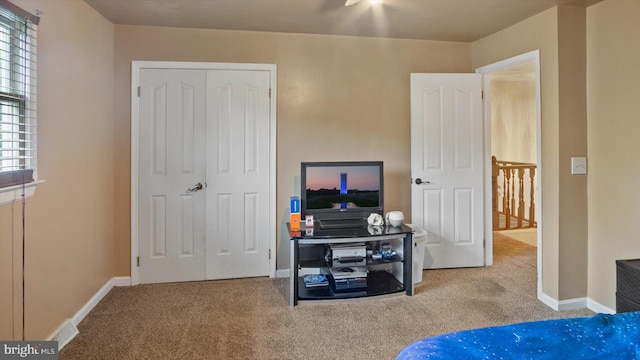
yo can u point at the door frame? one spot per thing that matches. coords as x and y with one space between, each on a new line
136 67
486 70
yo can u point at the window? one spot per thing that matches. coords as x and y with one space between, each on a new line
18 136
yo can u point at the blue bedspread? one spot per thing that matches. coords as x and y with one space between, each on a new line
598 337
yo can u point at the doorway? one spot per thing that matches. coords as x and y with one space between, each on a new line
512 90
203 171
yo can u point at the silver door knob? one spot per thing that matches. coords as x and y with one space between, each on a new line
419 181
197 187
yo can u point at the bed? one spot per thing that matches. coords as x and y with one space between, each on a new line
601 336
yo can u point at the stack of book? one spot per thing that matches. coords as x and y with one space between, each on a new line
315 280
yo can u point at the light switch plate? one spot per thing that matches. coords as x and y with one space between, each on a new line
578 165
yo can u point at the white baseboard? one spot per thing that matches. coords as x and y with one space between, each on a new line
549 301
563 305
599 308
573 304
68 330
282 273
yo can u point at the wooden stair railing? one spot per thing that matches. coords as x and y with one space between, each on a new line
510 204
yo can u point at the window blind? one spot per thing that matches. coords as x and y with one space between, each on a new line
18 135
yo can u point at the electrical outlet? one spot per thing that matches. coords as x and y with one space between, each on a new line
578 165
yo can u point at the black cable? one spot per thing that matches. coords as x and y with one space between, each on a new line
13 270
24 171
24 205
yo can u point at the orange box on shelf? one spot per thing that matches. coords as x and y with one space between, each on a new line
294 221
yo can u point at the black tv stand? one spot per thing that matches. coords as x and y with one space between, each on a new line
308 249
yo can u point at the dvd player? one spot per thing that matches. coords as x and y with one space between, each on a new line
342 223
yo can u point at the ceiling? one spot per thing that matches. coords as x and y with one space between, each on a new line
449 20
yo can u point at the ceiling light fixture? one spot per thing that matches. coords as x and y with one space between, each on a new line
352 2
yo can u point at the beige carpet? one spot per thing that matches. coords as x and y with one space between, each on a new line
527 236
251 318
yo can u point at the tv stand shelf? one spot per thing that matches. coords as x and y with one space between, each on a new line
378 283
384 276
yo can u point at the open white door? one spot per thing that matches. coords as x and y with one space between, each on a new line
447 167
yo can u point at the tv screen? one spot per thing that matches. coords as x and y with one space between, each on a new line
352 189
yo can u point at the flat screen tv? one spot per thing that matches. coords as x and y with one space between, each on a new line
341 190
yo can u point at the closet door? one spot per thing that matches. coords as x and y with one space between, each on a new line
238 173
204 184
171 193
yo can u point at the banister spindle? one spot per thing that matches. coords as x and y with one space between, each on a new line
520 196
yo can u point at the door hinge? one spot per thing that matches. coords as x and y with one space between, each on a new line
481 94
269 254
138 261
269 93
139 91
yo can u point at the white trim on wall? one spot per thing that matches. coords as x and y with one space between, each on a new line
599 308
282 273
136 66
69 328
11 194
573 304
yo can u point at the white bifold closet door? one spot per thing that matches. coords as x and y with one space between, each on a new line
203 191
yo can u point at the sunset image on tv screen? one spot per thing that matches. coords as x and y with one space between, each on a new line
343 187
